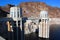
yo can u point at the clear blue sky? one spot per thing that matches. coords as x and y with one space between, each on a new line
55 3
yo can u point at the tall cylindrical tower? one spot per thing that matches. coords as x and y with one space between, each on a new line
44 24
15 14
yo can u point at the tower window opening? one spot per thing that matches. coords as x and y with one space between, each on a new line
14 14
18 14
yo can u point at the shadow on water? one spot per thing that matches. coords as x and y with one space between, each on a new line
33 36
9 35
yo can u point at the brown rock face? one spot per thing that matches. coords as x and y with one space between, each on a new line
7 8
34 8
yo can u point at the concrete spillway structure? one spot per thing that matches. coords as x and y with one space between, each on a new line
44 25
